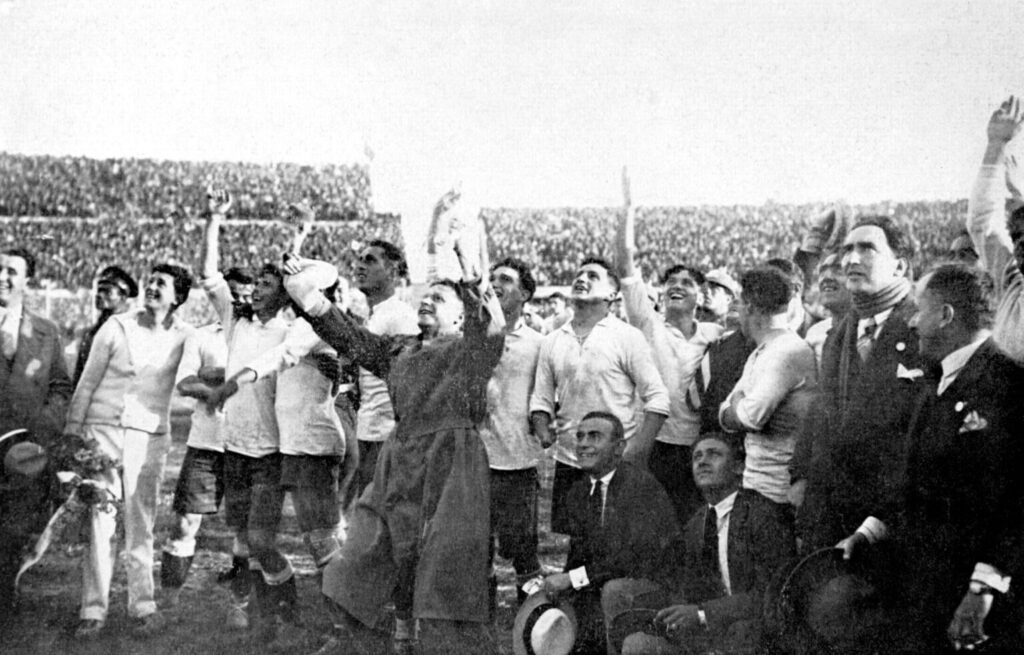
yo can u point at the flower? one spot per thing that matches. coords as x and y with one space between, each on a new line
973 422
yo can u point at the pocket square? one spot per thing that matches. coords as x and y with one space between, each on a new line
904 373
973 422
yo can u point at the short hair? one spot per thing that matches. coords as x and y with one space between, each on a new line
239 275
182 281
273 269
447 282
116 274
766 290
897 238
830 260
606 265
556 295
526 281
695 273
618 431
393 254
30 259
791 270
733 440
1017 215
968 289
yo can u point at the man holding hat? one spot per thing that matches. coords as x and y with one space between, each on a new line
731 548
621 525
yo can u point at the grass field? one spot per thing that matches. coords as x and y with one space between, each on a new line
50 593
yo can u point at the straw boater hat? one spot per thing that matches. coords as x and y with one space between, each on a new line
544 627
22 457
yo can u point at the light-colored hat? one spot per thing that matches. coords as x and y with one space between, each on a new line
544 627
721 277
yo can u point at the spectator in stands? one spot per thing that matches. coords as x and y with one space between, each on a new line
833 296
594 363
731 548
115 291
513 452
679 342
999 239
771 400
378 272
868 385
123 402
621 524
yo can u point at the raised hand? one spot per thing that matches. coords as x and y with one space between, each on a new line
218 202
1005 122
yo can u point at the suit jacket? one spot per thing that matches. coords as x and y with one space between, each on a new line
964 497
726 358
639 532
760 541
35 387
857 429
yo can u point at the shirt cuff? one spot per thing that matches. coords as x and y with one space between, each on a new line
988 575
579 578
874 529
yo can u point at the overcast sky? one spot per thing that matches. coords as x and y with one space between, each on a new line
527 103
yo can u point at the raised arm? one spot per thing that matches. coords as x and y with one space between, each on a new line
986 215
218 204
625 234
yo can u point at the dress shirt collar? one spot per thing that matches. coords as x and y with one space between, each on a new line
955 361
605 479
567 326
724 506
880 319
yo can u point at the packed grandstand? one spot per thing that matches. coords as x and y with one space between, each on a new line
82 214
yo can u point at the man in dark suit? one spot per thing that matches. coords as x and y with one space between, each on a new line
959 531
731 548
870 376
621 525
34 393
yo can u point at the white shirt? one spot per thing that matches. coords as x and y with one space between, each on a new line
778 383
10 326
205 347
879 319
578 576
307 422
723 510
955 361
676 356
816 335
376 417
610 371
505 430
250 422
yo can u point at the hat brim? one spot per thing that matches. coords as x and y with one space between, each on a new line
531 608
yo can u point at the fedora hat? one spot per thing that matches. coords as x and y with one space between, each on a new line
544 626
822 603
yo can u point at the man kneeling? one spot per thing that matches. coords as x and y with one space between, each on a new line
731 548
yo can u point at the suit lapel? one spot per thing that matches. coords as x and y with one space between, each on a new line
28 344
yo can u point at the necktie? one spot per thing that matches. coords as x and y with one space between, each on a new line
866 339
597 505
710 551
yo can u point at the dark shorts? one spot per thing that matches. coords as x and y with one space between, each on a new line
672 466
565 477
253 495
313 482
514 517
200 485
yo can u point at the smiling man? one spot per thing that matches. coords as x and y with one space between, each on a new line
594 362
679 342
731 548
379 271
833 296
621 525
867 394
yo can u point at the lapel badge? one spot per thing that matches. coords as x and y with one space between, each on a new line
900 346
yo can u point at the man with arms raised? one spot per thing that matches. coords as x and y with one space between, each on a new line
594 363
679 342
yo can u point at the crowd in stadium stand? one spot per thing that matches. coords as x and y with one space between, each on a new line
84 187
